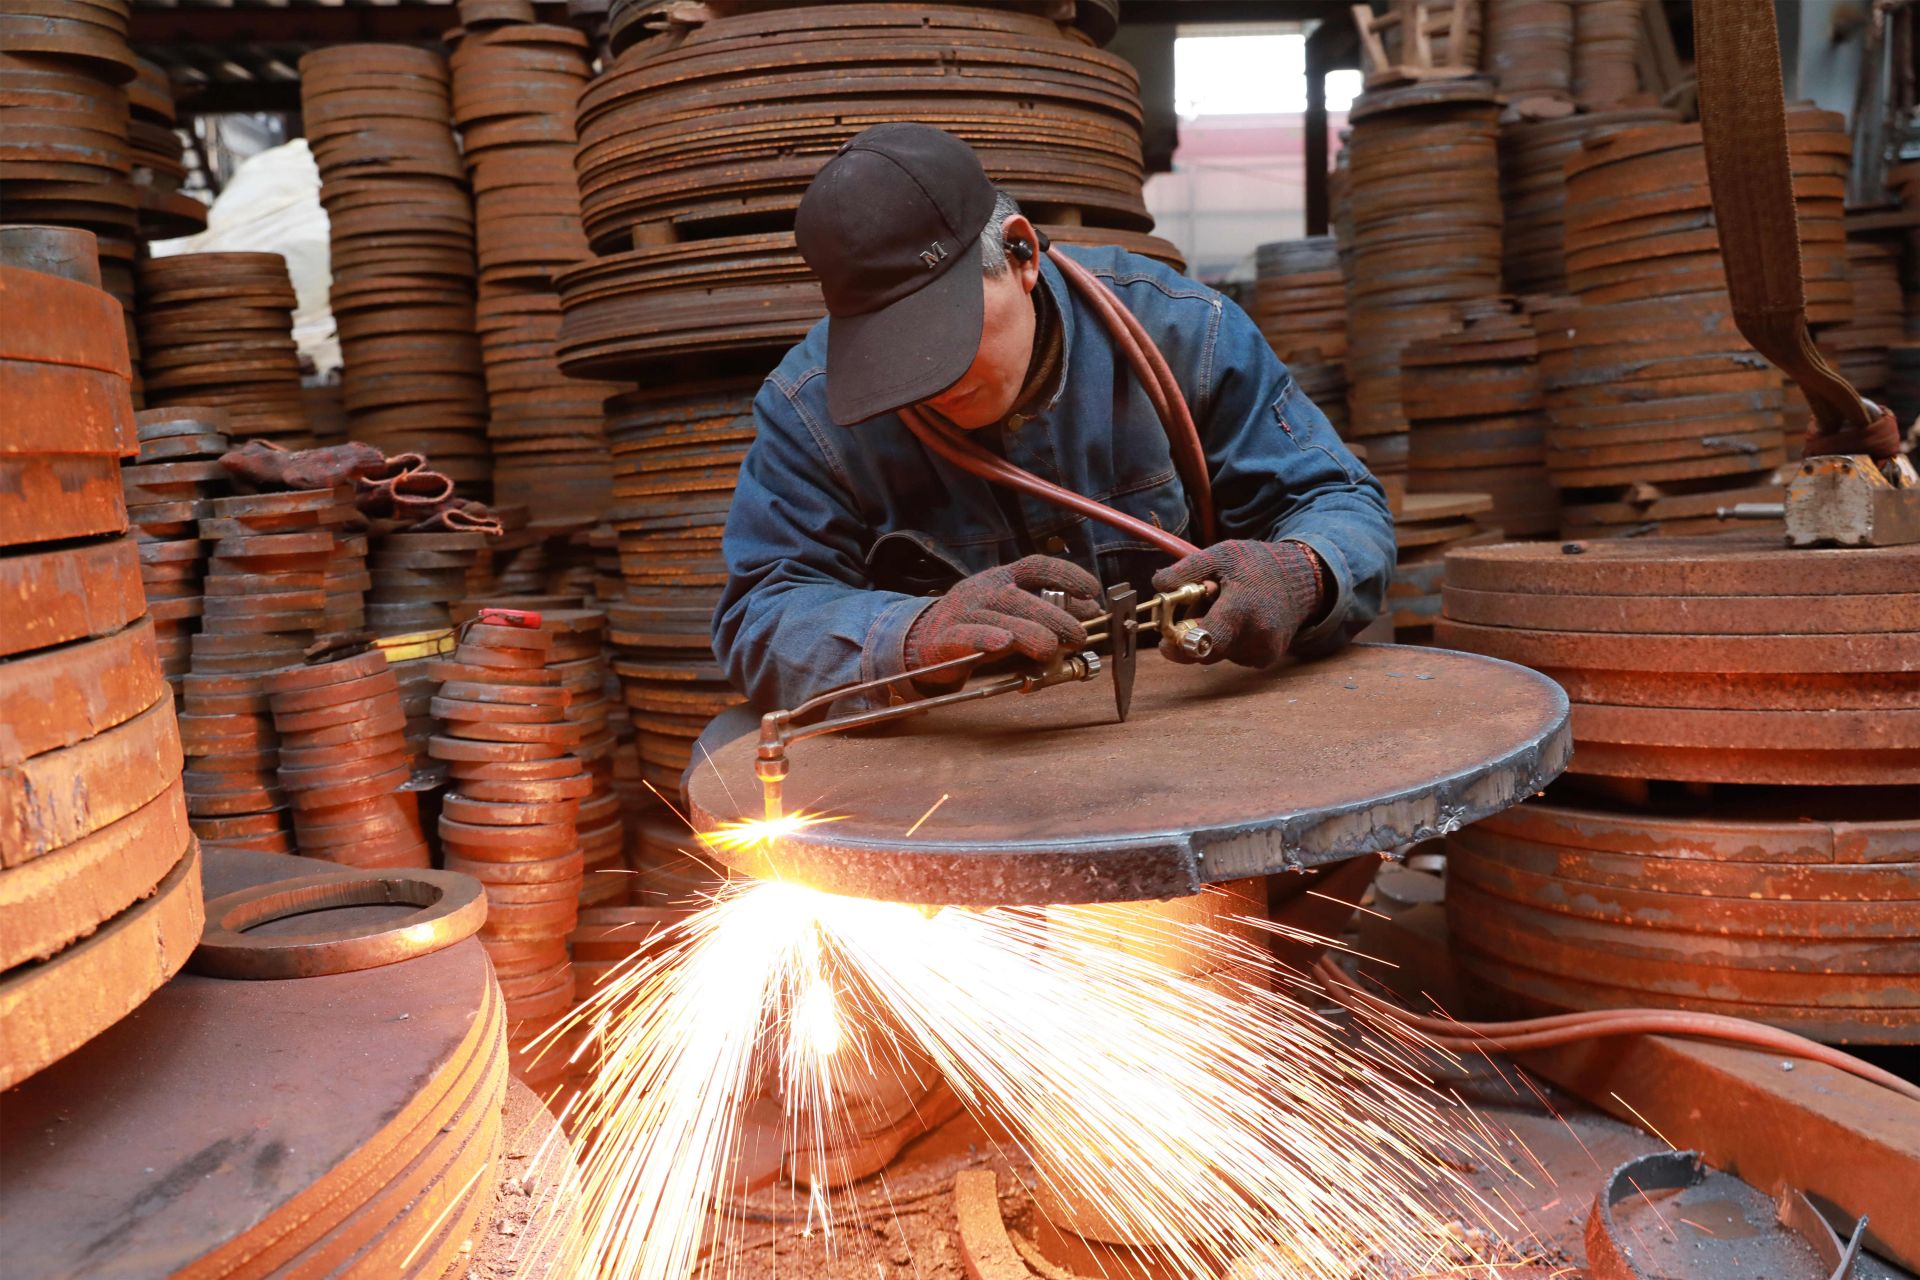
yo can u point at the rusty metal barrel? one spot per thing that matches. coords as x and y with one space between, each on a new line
99 875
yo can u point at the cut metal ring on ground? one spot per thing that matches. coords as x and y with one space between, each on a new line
453 907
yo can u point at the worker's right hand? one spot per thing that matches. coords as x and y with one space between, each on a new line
997 611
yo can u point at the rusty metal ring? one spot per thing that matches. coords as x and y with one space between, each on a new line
453 907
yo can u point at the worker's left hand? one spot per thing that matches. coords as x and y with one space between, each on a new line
1268 590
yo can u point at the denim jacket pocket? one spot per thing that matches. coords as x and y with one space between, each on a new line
912 563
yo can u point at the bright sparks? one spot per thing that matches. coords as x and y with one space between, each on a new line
1220 1119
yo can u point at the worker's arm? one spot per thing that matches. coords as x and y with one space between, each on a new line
800 615
1280 473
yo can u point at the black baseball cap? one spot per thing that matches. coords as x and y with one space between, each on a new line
891 225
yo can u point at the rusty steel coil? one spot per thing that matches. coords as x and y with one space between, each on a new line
1720 659
99 875
401 227
388 1166
734 296
723 129
1801 912
1639 215
216 330
1422 232
1533 189
1474 402
1661 390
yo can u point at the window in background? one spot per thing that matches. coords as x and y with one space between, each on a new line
1238 177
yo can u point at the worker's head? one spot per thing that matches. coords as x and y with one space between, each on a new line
927 270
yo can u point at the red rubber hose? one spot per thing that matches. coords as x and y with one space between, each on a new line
1569 1028
1156 377
974 460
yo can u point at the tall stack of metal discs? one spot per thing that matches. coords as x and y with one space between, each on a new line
166 486
514 89
380 121
1529 55
510 818
1477 410
158 158
99 875
1660 410
1859 348
1300 303
695 148
1606 52
343 762
1424 199
265 599
1740 830
64 68
1533 190
217 329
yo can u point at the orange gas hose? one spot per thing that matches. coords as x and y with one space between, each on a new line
1569 1028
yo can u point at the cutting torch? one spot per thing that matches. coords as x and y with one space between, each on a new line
1112 642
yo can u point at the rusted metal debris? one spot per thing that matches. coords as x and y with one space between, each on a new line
137 1156
1611 1253
1050 800
1723 659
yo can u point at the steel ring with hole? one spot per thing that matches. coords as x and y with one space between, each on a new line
452 908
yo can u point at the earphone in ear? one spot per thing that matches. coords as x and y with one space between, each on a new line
1020 249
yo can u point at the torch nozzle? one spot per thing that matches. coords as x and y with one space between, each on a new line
770 765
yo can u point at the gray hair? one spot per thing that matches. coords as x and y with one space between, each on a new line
993 236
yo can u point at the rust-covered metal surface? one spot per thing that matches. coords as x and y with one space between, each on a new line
1797 909
99 876
346 1124
1220 773
1720 659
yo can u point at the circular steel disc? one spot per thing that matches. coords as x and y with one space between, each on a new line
1219 773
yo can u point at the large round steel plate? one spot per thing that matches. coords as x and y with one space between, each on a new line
1219 773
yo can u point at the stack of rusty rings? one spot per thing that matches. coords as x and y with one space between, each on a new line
509 819
728 126
1478 416
94 842
64 153
670 865
1799 912
1300 303
344 762
1423 195
217 329
1858 348
1606 52
380 121
1717 659
166 488
416 576
1427 527
1533 190
159 158
1639 217
1529 54
676 455
265 598
346 581
514 89
604 943
579 657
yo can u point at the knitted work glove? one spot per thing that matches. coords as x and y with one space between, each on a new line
1267 591
997 610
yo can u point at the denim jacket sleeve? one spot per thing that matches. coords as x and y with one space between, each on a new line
1280 473
800 614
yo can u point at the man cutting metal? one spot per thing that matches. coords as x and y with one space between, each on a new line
868 538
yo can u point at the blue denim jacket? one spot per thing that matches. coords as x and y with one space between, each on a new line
836 534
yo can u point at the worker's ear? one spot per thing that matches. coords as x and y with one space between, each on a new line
1023 251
